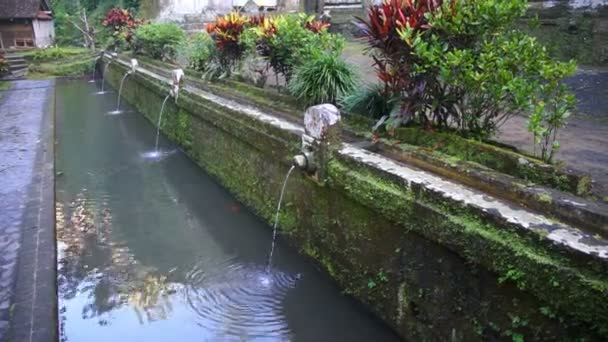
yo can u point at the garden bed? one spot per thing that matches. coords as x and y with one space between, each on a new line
503 159
500 171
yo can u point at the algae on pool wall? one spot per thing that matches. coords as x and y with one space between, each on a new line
430 269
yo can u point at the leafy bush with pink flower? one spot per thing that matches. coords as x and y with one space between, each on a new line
122 25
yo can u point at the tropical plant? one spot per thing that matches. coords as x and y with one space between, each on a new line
393 57
315 26
226 32
484 72
122 26
288 41
200 51
202 54
551 112
160 40
322 79
458 64
118 18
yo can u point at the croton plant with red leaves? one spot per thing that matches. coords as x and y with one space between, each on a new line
226 32
381 31
117 17
393 57
122 22
316 26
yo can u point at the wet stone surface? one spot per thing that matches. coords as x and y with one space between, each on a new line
23 109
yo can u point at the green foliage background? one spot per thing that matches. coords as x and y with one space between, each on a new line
66 10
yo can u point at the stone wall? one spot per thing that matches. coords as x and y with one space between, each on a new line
205 10
572 29
433 259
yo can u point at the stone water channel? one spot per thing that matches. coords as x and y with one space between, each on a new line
155 250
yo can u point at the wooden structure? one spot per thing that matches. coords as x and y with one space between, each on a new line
26 23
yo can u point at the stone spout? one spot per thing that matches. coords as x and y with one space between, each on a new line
134 65
177 76
321 135
304 162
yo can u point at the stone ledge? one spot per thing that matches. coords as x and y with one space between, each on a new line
479 227
574 210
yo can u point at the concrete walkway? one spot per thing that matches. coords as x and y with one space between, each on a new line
27 241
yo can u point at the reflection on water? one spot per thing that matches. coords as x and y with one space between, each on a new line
239 301
156 154
158 251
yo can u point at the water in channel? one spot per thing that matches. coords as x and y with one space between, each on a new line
155 250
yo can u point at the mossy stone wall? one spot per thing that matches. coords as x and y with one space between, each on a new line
430 271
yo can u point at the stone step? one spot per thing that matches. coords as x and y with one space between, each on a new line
16 71
20 72
19 63
13 56
15 75
17 66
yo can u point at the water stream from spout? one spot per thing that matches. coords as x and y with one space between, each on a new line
160 117
103 79
276 219
120 91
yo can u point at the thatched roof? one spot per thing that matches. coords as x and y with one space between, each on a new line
19 9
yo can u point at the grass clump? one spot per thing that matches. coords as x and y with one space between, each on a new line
322 79
368 101
57 53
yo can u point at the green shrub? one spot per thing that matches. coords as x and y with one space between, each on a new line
76 68
160 40
120 24
287 41
57 53
226 32
551 111
459 65
203 55
322 79
371 101
200 51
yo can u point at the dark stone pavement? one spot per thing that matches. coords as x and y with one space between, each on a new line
27 236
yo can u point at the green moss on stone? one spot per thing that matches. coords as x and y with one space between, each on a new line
493 157
361 223
545 198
